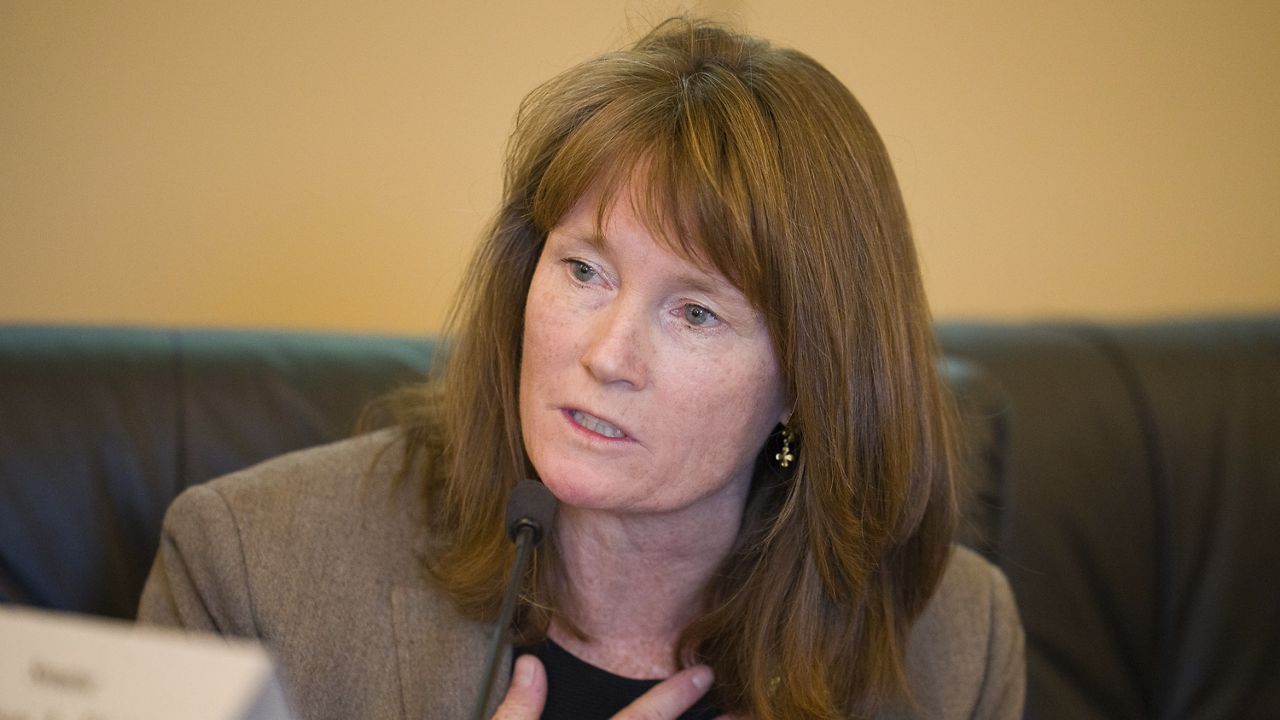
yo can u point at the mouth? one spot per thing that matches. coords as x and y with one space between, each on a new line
590 422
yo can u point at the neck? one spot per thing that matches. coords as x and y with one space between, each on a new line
637 581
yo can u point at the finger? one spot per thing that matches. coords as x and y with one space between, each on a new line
527 694
669 698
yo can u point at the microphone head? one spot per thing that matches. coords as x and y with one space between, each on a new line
531 505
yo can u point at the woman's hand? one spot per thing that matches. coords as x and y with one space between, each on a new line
665 701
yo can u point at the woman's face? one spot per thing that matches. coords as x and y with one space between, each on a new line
647 385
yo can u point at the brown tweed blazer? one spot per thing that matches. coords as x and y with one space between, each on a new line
317 554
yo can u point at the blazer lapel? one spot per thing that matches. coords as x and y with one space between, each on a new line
440 656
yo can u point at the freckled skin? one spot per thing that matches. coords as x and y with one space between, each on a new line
615 328
675 357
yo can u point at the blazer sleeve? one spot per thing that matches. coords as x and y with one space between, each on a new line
199 579
1004 683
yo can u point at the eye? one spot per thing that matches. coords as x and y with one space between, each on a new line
582 272
701 317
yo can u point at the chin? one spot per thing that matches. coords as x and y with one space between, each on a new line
577 491
575 486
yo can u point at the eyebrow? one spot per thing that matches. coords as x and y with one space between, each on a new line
730 302
591 236
703 282
708 284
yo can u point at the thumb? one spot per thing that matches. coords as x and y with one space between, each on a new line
528 691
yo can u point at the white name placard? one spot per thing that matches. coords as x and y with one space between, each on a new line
71 667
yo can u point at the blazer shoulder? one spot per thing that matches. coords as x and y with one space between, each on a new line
318 505
965 655
266 535
313 476
313 553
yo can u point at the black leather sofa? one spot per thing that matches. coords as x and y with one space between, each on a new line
1127 479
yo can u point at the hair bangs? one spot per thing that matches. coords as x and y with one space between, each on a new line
674 156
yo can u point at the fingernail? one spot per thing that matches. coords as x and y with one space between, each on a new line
524 671
701 677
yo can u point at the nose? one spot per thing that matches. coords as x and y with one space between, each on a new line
617 347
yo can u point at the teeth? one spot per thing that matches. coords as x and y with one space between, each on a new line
595 424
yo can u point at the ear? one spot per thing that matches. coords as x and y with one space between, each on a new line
787 412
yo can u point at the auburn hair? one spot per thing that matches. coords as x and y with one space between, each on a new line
758 162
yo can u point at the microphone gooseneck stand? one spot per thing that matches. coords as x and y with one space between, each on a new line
529 513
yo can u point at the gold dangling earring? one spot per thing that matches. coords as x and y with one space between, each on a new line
785 457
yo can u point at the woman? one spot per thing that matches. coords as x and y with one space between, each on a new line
698 319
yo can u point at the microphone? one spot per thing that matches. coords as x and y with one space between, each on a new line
531 507
530 510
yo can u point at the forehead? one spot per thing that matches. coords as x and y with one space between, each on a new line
617 230
597 214
704 219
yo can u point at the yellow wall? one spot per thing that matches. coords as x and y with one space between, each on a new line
328 164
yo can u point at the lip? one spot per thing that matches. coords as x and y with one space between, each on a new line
567 412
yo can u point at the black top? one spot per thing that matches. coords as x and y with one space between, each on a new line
577 690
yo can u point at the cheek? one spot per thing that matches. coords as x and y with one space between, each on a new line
541 332
726 419
532 351
746 384
547 357
547 354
